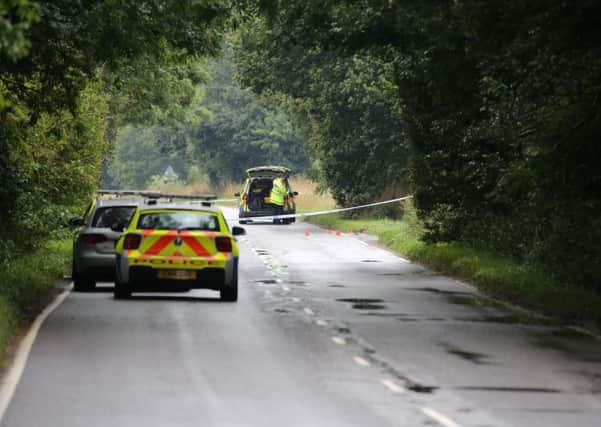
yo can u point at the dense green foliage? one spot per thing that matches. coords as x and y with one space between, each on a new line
25 280
243 132
71 74
16 17
137 158
47 165
235 130
499 100
348 106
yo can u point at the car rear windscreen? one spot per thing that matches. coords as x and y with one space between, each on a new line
112 215
180 220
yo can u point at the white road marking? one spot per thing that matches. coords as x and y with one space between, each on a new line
392 386
321 322
361 361
295 299
406 261
309 311
362 242
11 380
339 340
285 288
440 418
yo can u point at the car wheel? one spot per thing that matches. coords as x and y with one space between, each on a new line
121 290
83 283
230 293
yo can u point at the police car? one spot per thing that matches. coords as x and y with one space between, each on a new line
177 247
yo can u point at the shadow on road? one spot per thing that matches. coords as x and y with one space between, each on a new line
180 298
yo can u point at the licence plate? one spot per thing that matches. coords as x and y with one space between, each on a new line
177 274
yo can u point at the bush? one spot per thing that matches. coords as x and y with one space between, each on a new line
25 279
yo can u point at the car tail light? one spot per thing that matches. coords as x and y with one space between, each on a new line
132 241
223 244
244 197
92 238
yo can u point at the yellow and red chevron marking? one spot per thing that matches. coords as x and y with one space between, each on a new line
157 242
197 249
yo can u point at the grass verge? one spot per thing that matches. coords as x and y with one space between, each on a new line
499 277
26 283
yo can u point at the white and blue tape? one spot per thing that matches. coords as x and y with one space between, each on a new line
329 211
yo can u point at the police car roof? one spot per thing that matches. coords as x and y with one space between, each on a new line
180 206
119 201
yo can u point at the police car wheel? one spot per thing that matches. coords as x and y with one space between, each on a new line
230 293
121 291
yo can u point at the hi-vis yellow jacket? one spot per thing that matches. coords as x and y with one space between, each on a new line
278 192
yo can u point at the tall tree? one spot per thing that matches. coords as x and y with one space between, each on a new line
51 56
500 102
244 130
218 137
349 101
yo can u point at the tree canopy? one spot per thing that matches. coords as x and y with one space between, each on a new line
346 103
498 101
235 130
71 73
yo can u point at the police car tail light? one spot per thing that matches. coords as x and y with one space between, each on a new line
132 241
223 244
92 238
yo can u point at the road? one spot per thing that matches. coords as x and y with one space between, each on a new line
330 330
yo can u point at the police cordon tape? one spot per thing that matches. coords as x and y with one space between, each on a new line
330 211
225 200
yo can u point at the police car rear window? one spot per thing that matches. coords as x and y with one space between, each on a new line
178 221
111 215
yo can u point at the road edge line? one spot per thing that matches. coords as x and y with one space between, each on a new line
13 375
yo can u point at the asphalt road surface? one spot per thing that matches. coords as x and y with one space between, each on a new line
329 330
